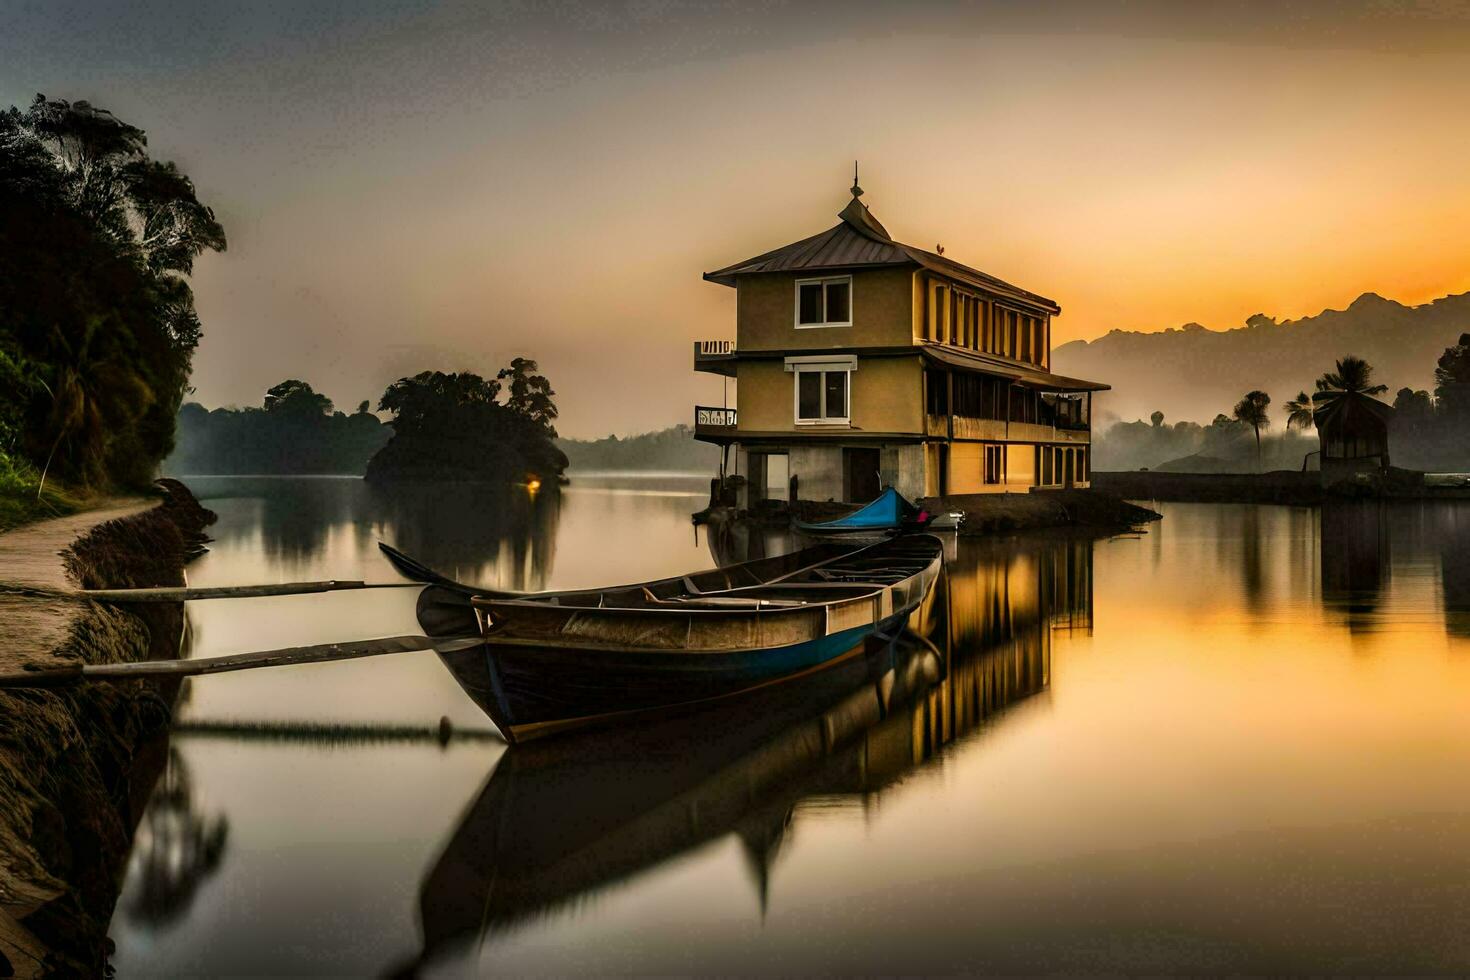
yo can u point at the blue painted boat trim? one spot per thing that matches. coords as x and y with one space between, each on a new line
884 513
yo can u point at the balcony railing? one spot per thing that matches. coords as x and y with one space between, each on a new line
712 419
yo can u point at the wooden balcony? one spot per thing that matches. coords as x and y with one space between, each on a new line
715 357
715 425
996 430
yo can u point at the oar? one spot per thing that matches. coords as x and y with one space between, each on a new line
286 657
413 568
182 594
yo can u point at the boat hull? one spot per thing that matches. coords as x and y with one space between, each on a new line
532 691
559 662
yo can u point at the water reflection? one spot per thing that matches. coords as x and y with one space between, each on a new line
177 848
561 820
1373 554
1454 566
1356 559
497 535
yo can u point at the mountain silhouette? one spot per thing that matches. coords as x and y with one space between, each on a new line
1192 372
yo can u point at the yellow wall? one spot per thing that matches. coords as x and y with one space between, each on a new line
882 311
967 468
886 397
1020 467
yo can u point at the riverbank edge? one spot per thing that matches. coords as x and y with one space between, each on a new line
985 513
77 764
1286 487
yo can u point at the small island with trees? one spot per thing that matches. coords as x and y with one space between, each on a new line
460 428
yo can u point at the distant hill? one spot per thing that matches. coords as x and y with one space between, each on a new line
673 448
1191 372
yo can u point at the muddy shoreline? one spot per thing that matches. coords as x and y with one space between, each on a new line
77 765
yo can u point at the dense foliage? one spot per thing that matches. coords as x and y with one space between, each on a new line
457 427
97 321
296 431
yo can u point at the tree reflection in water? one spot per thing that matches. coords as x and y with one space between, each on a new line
493 534
563 819
464 523
175 851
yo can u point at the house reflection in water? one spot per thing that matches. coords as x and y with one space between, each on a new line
1356 558
1366 545
561 820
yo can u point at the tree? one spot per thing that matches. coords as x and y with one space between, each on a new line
94 246
1251 411
1452 378
530 393
1157 418
1352 374
1412 406
454 427
294 397
93 391
1299 412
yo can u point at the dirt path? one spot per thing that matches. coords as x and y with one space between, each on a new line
35 626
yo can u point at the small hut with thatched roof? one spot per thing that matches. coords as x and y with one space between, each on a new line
1353 430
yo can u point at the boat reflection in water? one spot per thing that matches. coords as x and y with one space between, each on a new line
561 819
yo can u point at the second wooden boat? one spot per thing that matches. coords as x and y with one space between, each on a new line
889 513
557 661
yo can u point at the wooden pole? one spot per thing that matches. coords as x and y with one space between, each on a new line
286 657
183 594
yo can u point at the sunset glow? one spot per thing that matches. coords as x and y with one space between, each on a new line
409 188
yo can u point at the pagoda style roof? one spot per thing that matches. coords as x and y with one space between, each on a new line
858 241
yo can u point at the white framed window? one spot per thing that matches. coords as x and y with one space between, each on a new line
822 388
824 302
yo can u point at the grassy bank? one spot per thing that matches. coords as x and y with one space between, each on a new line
19 502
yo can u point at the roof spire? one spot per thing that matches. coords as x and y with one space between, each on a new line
857 216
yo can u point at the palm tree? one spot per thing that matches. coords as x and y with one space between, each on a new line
1300 412
94 392
1252 411
1353 375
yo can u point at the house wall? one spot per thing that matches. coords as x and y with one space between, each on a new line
886 397
882 312
821 474
1020 468
966 468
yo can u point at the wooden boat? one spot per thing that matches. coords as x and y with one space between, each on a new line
556 661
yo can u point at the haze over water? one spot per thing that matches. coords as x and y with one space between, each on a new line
1235 741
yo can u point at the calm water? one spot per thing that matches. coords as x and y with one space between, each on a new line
1238 741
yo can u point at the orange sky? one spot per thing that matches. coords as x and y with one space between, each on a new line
449 187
